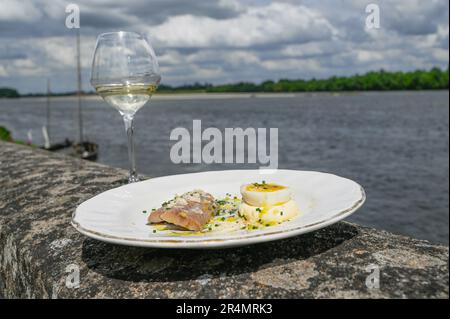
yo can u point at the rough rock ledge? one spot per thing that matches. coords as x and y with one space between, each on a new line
40 191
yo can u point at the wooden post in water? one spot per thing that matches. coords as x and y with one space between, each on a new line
80 118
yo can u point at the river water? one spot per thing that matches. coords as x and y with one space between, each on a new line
396 144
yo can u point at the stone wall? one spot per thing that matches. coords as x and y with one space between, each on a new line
40 191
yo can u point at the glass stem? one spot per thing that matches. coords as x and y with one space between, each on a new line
128 120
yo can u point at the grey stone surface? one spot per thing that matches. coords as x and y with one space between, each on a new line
40 191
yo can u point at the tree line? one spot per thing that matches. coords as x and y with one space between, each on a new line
434 79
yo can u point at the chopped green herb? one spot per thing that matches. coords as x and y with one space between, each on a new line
144 212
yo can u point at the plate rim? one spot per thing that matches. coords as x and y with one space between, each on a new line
222 242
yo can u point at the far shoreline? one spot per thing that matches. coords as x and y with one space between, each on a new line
231 95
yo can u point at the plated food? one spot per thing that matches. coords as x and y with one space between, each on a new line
190 211
198 212
230 210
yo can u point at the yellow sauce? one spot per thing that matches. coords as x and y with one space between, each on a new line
160 227
264 188
187 233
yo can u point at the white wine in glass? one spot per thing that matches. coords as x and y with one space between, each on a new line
125 73
127 99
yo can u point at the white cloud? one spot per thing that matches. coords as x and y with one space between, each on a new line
276 23
366 56
3 72
313 49
25 11
46 57
301 66
27 67
60 52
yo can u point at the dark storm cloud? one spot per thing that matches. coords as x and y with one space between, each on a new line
10 55
420 18
109 14
43 27
157 11
104 20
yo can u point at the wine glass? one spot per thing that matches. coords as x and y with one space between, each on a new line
125 73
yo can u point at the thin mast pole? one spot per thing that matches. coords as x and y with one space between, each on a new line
47 124
80 119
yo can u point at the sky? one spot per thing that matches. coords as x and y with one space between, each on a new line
223 41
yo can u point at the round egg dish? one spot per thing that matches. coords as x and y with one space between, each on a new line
267 204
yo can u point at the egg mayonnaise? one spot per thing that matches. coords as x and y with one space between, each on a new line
267 204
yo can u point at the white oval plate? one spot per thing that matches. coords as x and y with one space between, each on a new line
116 216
